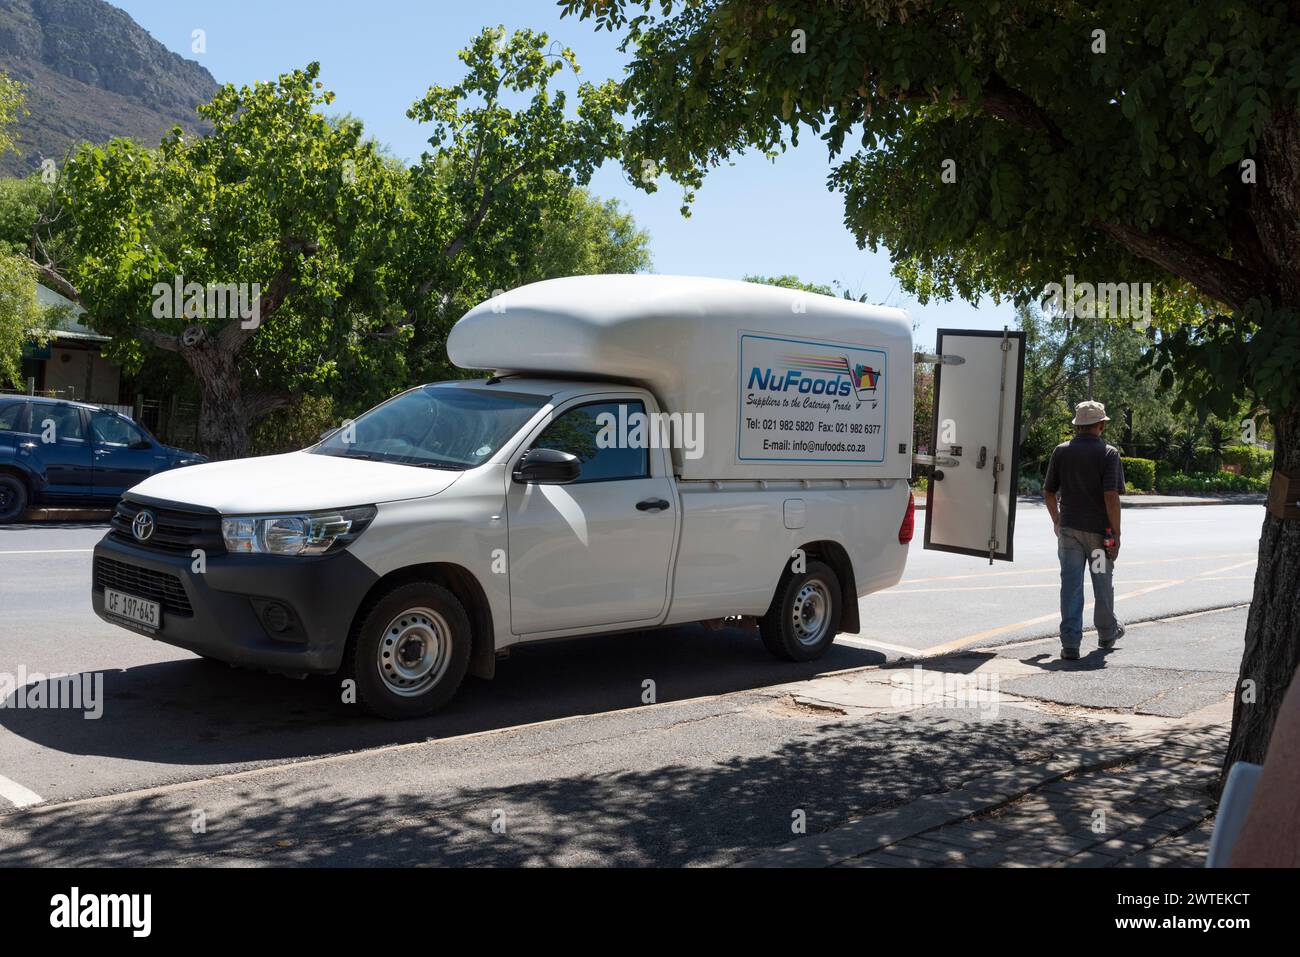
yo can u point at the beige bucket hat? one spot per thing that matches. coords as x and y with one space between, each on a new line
1089 413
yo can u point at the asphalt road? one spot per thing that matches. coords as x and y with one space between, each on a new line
170 717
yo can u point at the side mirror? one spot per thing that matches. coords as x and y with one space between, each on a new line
547 467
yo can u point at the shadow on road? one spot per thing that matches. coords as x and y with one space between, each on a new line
668 816
198 712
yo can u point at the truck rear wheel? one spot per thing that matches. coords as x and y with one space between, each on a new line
805 614
410 651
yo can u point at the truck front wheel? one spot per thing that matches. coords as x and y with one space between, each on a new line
13 498
410 652
805 614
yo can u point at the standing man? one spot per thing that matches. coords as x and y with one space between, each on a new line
1088 476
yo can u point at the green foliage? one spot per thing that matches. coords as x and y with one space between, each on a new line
295 426
21 204
363 265
1122 165
1029 485
584 236
273 195
22 320
1139 474
792 282
12 97
1254 462
478 200
1182 483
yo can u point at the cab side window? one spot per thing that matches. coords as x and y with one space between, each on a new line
65 419
113 429
594 433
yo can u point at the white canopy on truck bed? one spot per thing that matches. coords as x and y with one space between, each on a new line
783 383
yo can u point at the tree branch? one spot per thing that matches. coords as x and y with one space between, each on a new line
160 339
1231 283
1222 279
234 334
259 403
1004 101
56 282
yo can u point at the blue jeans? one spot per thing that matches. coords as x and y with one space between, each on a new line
1079 550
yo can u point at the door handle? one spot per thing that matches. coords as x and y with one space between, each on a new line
651 505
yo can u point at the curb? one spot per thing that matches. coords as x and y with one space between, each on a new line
1252 498
34 515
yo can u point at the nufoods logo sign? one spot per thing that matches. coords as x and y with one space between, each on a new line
818 374
804 400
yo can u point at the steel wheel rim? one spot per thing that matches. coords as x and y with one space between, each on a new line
811 613
414 652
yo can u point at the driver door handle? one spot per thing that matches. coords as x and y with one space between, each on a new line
651 505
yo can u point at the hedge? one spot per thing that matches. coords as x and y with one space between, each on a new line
1139 473
1179 483
1254 462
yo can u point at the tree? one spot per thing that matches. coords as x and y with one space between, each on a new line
478 198
792 282
586 236
1005 146
22 319
276 207
12 97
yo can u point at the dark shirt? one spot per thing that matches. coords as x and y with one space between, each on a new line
1081 470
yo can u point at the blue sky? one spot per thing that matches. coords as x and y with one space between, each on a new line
379 56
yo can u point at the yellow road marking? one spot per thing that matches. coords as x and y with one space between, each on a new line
1055 568
968 640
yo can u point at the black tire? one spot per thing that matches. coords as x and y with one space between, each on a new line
13 498
417 616
815 591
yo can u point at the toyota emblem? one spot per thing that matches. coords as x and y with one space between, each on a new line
142 525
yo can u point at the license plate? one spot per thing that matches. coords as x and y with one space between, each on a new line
138 611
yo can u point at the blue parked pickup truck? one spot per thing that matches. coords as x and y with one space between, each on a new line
59 453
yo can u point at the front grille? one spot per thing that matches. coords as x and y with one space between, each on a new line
175 529
162 587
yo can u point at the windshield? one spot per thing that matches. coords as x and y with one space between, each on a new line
435 427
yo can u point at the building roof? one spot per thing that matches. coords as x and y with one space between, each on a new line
68 328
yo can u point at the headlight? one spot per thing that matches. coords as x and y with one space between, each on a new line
314 533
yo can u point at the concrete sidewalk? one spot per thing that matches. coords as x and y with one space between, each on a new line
1130 785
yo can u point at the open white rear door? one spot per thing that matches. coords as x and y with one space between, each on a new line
971 507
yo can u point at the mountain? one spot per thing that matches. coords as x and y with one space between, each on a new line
92 73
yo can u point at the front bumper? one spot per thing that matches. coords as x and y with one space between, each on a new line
227 603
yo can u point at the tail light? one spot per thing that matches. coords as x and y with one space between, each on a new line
909 521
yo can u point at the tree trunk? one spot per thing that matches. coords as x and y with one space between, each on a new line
223 418
1272 645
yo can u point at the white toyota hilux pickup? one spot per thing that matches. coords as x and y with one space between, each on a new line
642 451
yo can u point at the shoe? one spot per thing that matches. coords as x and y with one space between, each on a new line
1107 645
1069 654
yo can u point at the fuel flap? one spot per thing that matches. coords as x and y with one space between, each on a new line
971 506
